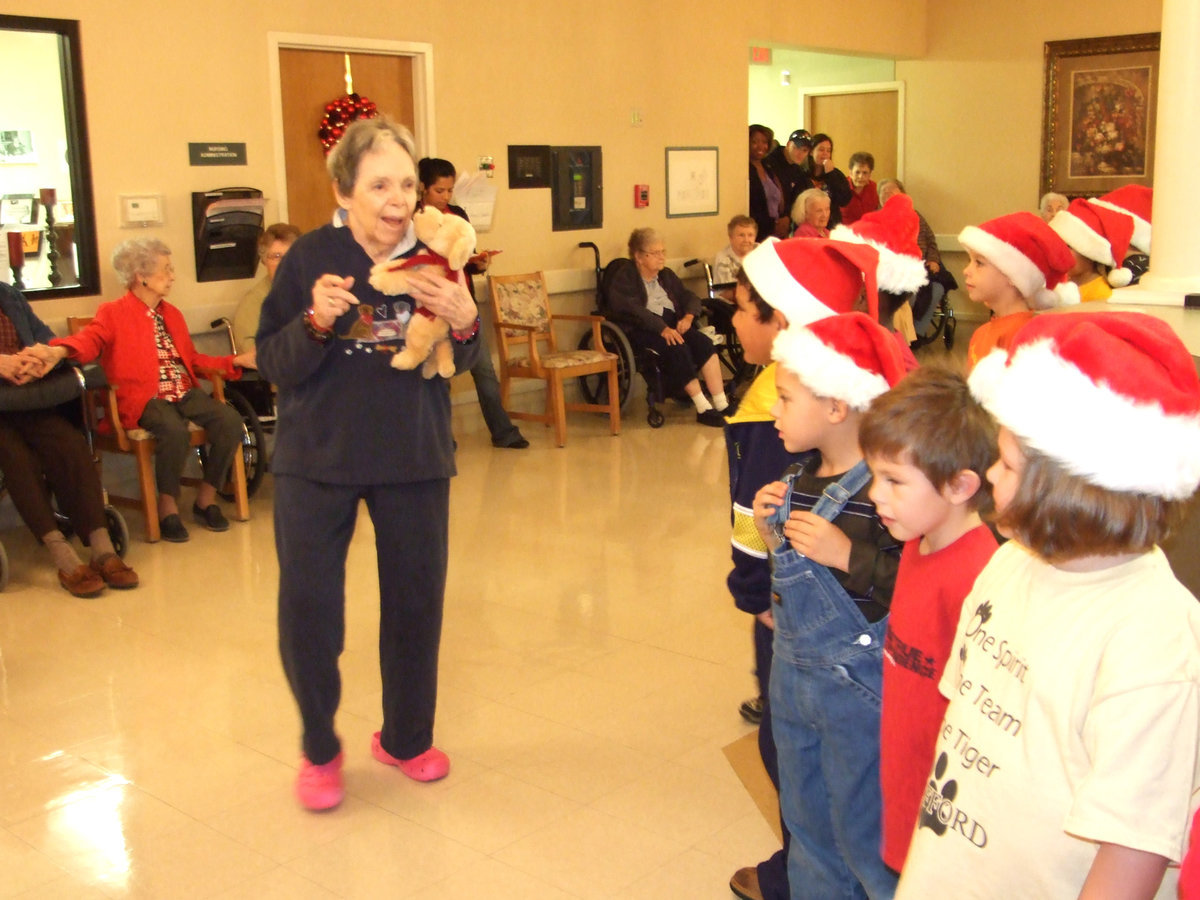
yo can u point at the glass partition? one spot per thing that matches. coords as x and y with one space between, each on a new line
46 207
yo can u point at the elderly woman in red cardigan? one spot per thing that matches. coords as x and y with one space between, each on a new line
145 350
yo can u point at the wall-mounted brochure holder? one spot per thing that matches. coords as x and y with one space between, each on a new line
227 223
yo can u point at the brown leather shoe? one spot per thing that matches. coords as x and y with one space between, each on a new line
744 883
114 572
82 582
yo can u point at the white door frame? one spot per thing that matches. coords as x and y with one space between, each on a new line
869 88
423 118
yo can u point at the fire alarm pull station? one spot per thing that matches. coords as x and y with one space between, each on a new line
641 196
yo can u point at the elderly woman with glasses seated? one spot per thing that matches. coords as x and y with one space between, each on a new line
660 312
143 345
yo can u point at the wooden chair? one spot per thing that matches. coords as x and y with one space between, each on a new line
139 443
524 325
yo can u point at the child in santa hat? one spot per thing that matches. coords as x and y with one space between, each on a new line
1018 265
1099 239
833 566
781 284
1068 755
892 230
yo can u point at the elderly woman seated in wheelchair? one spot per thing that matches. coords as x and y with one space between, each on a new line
42 453
659 312
146 351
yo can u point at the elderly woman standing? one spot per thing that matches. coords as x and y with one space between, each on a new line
352 428
145 350
647 296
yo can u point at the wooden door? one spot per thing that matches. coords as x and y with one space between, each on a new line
309 79
866 121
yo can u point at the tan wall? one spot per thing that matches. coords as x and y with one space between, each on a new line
974 101
161 74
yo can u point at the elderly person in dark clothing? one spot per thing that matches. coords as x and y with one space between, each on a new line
41 453
647 296
352 428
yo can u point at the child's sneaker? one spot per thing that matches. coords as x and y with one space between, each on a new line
428 766
320 787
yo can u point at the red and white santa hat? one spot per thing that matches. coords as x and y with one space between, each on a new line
849 357
1113 397
808 278
892 230
1136 201
1035 259
1099 233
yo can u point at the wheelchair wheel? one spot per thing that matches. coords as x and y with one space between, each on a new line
3 568
949 327
655 417
595 387
254 447
118 531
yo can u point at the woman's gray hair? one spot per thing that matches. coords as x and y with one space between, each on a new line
363 136
641 238
138 257
801 204
896 181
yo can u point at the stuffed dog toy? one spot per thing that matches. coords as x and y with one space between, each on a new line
449 241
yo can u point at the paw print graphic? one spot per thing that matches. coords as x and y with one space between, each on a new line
938 808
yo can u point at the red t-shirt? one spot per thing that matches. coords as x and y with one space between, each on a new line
861 203
926 604
1189 872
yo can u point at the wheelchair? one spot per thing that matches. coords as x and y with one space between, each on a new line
718 313
91 376
645 362
932 315
254 399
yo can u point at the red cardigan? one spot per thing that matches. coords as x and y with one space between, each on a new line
122 335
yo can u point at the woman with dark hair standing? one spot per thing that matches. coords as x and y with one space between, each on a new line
768 204
437 178
828 177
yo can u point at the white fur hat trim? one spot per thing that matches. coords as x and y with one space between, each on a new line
898 273
1019 268
780 288
1141 228
1092 431
1082 239
825 371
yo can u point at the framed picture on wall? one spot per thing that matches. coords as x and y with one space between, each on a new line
16 148
18 209
692 182
1099 104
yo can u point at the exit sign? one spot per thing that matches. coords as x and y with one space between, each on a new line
760 55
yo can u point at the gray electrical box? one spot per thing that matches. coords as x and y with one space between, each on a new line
576 188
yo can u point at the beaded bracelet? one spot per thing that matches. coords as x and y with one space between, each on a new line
316 332
465 337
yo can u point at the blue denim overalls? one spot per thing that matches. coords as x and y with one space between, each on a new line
826 686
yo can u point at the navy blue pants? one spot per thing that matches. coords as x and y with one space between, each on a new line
314 523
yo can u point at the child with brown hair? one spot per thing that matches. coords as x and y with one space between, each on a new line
1018 266
833 566
1067 760
929 444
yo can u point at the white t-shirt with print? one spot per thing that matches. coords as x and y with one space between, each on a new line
1073 719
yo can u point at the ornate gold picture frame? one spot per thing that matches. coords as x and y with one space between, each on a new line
1099 108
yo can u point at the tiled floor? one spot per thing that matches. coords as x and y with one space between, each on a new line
592 665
